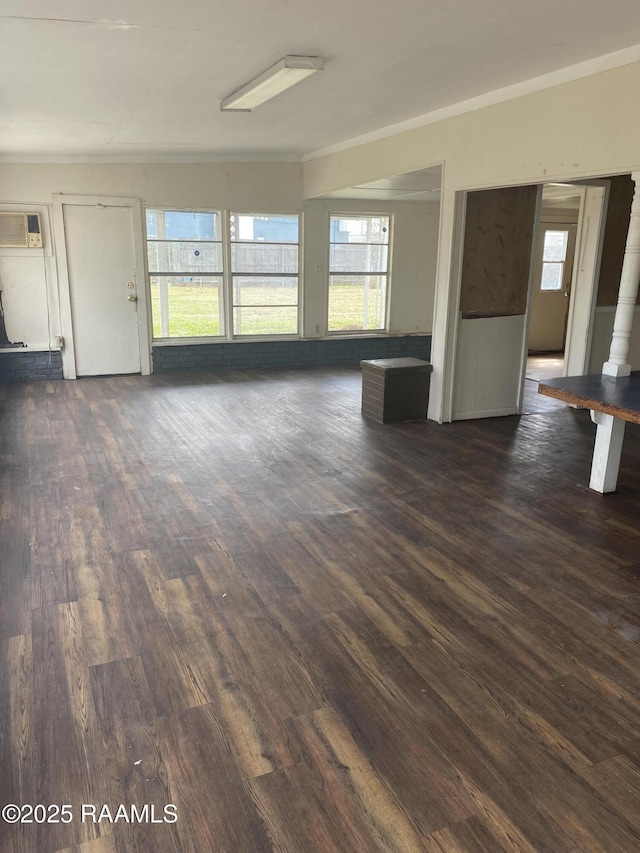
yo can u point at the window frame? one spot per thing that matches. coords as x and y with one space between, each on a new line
233 335
358 214
177 339
561 264
226 317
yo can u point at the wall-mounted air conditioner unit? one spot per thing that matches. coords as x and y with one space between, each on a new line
20 230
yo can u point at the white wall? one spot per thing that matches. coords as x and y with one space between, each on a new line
267 186
29 277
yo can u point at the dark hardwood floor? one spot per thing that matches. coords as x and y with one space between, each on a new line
308 632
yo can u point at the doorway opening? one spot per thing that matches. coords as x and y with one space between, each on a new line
540 367
552 279
544 365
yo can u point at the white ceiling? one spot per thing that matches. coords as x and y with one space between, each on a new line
422 185
123 79
566 196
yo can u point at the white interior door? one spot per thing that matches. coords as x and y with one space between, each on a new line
106 325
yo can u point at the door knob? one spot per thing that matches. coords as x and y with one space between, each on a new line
132 297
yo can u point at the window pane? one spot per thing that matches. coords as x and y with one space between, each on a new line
551 277
183 225
362 258
265 306
186 306
264 257
273 320
555 245
264 243
263 228
166 256
357 303
253 290
359 229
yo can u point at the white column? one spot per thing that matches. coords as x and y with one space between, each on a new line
617 364
610 432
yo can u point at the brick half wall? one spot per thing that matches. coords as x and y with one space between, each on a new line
252 354
26 364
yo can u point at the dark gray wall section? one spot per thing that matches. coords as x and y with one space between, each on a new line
16 366
324 353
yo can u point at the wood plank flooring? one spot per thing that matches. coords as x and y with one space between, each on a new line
308 632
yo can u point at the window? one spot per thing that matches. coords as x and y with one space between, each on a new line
554 254
264 273
191 295
184 251
358 272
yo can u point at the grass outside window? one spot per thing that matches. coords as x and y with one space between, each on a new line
193 311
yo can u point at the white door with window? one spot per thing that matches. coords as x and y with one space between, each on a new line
103 304
552 287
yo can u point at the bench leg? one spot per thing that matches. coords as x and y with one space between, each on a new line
606 452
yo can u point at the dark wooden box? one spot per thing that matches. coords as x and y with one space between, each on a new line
395 389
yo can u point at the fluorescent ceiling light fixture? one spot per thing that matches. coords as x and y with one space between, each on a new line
284 74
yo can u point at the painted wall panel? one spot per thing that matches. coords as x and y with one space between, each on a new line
489 383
